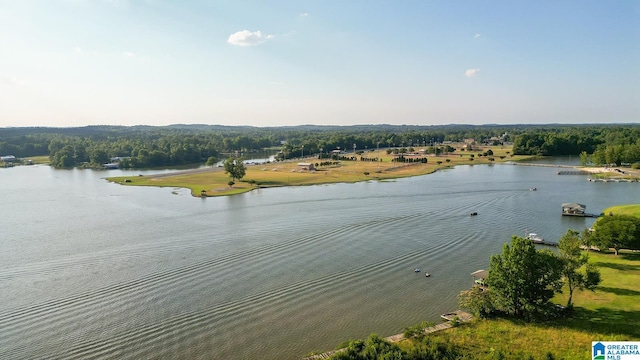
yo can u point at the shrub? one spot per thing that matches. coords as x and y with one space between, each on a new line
366 173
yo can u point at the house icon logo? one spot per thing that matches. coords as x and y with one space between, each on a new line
598 351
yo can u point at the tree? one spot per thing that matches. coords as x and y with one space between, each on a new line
523 279
211 161
576 271
235 168
617 232
477 300
584 158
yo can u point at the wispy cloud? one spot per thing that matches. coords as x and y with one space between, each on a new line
471 72
128 54
303 15
77 50
477 35
248 38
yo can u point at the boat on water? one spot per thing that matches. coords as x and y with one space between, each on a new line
534 237
417 270
533 189
473 214
427 274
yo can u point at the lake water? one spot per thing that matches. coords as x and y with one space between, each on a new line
94 270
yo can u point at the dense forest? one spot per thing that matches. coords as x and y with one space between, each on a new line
148 146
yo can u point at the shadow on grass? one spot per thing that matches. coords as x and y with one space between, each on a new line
618 291
604 321
633 256
622 267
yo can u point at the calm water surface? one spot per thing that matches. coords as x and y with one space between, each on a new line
90 269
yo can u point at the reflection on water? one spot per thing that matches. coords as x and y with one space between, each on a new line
91 269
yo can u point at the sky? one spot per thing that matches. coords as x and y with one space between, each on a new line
67 63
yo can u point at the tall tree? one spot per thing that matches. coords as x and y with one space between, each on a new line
576 270
523 279
235 168
617 232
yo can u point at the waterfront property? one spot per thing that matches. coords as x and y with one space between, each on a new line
573 209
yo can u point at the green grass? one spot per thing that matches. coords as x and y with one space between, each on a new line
38 159
629 209
612 312
287 173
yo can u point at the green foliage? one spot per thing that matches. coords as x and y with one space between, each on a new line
478 301
617 232
211 160
376 348
416 330
523 279
235 168
584 158
576 271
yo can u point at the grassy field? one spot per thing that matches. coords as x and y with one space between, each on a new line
629 209
612 312
286 173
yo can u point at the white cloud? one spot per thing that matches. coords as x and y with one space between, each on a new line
471 72
303 15
476 36
248 38
78 50
128 54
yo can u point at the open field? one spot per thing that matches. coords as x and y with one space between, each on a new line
612 312
287 173
629 209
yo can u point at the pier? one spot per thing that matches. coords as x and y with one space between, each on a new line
462 316
544 242
573 172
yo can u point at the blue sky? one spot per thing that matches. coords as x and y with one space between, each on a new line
272 63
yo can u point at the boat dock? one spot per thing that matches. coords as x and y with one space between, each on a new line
544 242
573 172
462 316
582 215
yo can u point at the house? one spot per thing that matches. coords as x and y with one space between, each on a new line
8 158
305 166
573 209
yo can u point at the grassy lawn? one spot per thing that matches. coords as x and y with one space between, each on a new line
612 312
287 173
629 209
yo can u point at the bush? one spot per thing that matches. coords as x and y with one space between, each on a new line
635 166
366 173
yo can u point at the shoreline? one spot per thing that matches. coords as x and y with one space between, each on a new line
213 182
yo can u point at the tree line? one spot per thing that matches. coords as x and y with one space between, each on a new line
608 144
148 146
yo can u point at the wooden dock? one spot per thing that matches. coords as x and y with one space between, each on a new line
581 215
544 242
463 316
573 172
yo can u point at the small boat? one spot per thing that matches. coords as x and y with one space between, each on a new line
416 270
535 237
533 189
473 214
427 274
